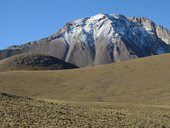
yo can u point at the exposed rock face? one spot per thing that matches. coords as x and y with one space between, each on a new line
11 52
101 39
160 31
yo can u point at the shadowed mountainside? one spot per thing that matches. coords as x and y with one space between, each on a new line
33 62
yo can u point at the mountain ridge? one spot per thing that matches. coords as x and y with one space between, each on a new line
100 39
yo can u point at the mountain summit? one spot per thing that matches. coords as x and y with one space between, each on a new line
100 39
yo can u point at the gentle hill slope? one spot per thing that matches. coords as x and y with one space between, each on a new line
143 81
33 62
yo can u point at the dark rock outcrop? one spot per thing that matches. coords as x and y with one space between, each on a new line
34 62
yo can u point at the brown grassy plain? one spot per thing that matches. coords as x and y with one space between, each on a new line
134 93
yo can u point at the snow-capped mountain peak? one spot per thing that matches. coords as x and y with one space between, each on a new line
101 39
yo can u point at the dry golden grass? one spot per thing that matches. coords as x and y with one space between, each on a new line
145 81
128 94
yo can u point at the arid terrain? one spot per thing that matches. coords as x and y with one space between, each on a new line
127 94
24 112
143 80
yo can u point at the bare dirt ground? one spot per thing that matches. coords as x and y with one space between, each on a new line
23 112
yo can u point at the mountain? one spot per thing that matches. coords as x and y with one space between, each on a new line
33 62
100 39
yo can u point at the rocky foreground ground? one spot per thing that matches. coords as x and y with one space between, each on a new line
23 112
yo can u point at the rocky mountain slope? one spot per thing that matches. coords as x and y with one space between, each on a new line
100 39
33 62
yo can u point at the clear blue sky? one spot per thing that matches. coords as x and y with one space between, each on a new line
28 20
